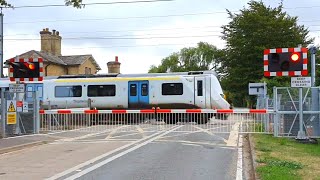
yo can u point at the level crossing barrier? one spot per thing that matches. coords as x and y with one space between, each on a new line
151 120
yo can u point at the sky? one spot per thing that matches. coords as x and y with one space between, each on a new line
140 34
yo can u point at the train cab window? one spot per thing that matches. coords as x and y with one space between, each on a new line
68 91
133 89
200 88
101 90
144 89
172 89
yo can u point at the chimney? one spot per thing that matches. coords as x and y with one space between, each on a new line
114 66
50 42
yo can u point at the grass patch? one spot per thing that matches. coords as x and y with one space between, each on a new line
284 158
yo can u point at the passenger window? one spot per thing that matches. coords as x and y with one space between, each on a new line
68 91
101 90
29 92
40 91
200 88
133 89
172 89
144 89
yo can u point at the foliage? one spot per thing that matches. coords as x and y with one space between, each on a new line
250 32
202 57
74 3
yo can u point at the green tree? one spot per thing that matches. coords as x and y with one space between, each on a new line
203 57
249 32
75 3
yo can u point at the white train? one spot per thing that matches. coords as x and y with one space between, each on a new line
174 91
123 91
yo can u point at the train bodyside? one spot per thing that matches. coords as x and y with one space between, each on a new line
179 92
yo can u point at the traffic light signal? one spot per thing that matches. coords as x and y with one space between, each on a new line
285 62
25 69
28 69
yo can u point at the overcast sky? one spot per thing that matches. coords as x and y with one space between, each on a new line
141 34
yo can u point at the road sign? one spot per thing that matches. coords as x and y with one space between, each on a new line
25 107
257 88
11 118
19 106
16 88
11 106
300 81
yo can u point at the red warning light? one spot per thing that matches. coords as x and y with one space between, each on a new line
30 66
295 57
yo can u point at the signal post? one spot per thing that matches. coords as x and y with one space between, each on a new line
25 70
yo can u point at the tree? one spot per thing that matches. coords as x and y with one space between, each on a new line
202 57
75 3
247 34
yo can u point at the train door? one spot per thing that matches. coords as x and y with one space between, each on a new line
31 88
199 92
138 94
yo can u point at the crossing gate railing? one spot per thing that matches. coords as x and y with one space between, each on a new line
150 120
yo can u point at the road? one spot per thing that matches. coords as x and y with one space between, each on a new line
184 151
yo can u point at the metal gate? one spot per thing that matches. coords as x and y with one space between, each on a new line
286 106
19 113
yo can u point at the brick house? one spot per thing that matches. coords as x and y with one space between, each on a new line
54 63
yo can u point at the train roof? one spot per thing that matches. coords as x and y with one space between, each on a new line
136 75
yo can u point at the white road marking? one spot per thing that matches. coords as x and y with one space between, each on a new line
210 133
85 171
233 136
114 137
140 130
91 161
85 136
197 145
114 131
239 162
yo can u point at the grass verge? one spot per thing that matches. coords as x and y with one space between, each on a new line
283 158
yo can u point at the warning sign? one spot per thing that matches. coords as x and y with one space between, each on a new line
11 118
11 106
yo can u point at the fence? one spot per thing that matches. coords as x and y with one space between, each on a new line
19 116
213 121
286 106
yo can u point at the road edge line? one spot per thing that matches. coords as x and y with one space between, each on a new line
106 161
70 170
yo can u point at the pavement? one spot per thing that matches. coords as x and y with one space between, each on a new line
20 142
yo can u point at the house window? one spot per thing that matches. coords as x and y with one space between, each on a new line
172 89
87 70
101 90
68 91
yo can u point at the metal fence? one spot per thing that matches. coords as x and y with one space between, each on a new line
286 107
193 120
19 116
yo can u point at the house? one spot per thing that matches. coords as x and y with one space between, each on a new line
54 63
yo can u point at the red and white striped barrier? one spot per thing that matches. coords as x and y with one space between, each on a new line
146 111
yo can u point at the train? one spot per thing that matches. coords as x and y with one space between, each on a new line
181 90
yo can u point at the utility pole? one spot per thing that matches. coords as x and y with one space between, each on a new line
1 44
